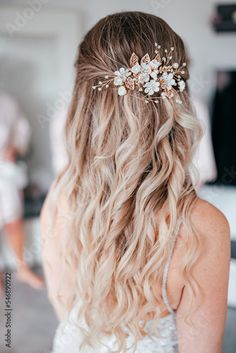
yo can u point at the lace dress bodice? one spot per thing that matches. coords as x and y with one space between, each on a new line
68 337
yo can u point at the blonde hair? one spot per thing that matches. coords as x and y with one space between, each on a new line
127 181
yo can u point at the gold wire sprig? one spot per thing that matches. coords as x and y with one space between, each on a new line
105 83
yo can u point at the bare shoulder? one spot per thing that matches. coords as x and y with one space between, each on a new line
213 231
209 220
210 271
211 225
212 263
214 242
47 205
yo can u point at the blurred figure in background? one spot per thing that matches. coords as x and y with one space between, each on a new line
14 140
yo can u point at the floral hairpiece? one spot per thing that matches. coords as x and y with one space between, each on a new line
156 78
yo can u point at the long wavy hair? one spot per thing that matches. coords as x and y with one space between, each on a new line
127 182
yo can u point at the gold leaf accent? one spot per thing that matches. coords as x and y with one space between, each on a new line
158 57
170 92
133 60
129 83
145 59
162 83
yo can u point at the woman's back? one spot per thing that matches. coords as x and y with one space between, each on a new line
212 270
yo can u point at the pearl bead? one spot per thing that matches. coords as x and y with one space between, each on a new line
175 65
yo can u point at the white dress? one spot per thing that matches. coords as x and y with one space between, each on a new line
67 338
14 131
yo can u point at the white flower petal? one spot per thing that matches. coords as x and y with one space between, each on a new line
146 68
151 87
155 64
118 81
136 68
143 78
165 76
153 74
181 85
122 91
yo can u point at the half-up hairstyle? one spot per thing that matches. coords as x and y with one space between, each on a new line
127 182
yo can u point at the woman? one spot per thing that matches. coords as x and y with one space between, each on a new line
14 140
132 256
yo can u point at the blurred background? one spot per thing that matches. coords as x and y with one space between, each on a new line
38 42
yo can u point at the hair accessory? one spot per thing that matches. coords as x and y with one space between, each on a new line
156 78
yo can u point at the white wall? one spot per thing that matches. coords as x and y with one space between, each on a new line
37 52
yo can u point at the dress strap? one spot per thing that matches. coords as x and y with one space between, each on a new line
166 270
